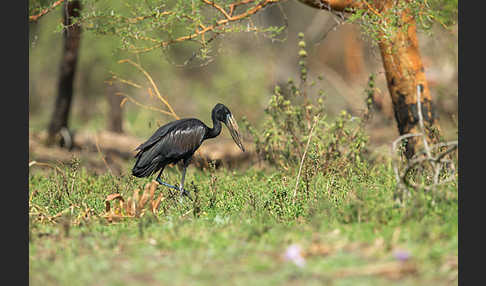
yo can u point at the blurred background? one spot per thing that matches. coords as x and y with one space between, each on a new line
242 75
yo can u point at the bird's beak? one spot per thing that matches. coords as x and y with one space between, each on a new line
233 128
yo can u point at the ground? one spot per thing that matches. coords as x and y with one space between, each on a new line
243 228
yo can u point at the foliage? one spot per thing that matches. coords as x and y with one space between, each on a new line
237 230
381 24
143 26
290 116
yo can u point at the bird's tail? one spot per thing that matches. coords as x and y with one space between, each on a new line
143 169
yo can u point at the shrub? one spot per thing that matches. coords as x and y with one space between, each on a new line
291 114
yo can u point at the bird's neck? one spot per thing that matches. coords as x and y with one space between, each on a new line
213 132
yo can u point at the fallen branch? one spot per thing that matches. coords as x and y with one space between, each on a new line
437 162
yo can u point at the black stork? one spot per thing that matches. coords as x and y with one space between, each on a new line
178 140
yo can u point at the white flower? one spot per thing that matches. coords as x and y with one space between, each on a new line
294 253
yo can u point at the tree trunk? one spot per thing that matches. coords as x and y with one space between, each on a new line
72 35
403 69
115 113
353 54
404 72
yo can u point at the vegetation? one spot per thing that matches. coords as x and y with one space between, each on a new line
340 224
293 113
238 229
147 26
315 209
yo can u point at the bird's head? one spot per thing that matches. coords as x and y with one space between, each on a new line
223 114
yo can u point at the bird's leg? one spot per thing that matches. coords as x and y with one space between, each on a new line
181 186
164 183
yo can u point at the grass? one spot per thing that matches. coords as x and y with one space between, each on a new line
237 231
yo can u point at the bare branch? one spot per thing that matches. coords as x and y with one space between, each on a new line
226 15
303 157
437 163
336 5
141 104
151 81
34 18
421 119
234 5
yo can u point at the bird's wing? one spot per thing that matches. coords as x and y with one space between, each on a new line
179 143
161 132
183 140
180 139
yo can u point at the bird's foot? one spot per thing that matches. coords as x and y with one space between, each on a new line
184 192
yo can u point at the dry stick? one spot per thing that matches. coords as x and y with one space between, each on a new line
394 152
129 98
429 157
102 156
32 163
435 161
400 179
421 120
128 82
439 159
303 157
147 75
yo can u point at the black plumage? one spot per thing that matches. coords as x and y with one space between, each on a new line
178 140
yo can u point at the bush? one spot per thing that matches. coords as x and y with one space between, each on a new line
291 115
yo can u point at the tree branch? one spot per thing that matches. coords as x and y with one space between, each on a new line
226 15
151 81
219 23
234 5
34 18
336 5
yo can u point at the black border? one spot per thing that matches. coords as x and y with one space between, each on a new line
14 117
470 110
15 139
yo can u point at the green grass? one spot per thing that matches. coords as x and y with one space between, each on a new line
244 223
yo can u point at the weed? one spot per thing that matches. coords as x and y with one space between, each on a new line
290 116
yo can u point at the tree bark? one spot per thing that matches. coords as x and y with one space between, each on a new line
403 69
71 35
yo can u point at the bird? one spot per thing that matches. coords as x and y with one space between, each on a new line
177 141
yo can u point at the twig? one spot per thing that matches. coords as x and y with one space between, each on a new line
303 157
421 119
372 9
142 105
234 5
226 15
128 82
437 162
394 152
102 156
32 163
34 18
219 23
154 86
